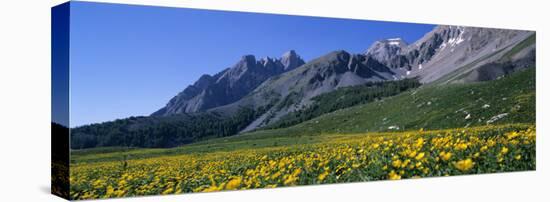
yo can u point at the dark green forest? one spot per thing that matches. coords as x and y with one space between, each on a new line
157 132
181 129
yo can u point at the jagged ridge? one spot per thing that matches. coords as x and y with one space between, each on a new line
230 84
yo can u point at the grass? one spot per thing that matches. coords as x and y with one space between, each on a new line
523 44
443 130
341 158
430 108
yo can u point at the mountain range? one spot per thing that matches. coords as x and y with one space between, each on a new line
275 87
460 52
229 85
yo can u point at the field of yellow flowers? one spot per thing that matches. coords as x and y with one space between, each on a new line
348 158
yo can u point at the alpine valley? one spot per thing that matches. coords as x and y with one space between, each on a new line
272 94
460 100
196 100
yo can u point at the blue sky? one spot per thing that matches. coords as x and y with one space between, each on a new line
130 60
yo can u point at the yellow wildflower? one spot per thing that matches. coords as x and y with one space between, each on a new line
394 176
290 180
420 156
322 176
110 190
445 155
484 148
412 154
504 150
462 146
233 183
396 163
464 165
168 191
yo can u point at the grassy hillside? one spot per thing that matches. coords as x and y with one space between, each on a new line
343 98
508 100
443 130
531 40
433 107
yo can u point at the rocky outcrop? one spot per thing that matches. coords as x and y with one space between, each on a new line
229 85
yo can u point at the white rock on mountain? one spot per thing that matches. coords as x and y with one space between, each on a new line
448 49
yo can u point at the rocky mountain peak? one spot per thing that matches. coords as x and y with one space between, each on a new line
387 51
229 85
387 47
290 53
399 42
291 60
247 59
203 81
266 60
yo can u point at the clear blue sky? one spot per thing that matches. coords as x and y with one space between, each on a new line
130 60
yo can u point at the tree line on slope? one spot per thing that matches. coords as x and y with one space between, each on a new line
176 130
161 132
345 97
